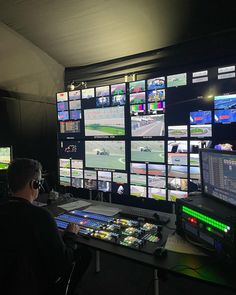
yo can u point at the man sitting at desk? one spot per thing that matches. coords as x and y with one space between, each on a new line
33 255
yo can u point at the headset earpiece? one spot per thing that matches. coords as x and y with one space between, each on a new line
35 184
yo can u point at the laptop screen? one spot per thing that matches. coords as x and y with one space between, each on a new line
218 174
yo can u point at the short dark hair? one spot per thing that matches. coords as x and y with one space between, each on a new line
21 171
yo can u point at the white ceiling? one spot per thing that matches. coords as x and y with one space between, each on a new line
82 32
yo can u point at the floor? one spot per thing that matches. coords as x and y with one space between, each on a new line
121 276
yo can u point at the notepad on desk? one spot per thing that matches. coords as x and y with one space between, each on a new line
103 210
74 205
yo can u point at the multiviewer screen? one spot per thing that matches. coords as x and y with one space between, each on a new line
219 174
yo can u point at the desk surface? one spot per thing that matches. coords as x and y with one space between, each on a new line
203 268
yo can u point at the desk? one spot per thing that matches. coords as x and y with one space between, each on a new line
201 268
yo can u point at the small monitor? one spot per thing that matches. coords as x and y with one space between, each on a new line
5 157
218 174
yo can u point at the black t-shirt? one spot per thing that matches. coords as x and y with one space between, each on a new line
33 254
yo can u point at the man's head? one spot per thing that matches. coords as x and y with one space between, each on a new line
24 177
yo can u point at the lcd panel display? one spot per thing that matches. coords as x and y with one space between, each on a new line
156 106
156 83
69 126
62 106
118 100
201 130
74 95
88 93
5 157
118 89
63 116
75 104
137 86
77 182
157 193
103 101
105 121
156 95
102 91
120 177
177 159
64 163
75 115
200 117
104 186
105 154
138 191
180 146
173 195
147 151
225 101
150 125
136 98
178 131
154 169
138 168
156 181
104 175
77 164
225 116
177 80
180 184
178 171
137 109
62 96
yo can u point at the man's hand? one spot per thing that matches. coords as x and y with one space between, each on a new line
73 228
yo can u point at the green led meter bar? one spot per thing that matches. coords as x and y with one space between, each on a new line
221 226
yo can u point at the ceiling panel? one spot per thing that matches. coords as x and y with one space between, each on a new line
82 32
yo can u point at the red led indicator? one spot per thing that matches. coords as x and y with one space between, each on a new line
192 220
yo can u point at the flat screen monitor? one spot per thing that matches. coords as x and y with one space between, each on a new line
225 116
200 117
5 157
225 101
218 174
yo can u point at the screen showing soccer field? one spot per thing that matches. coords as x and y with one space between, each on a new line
104 121
5 157
147 151
105 154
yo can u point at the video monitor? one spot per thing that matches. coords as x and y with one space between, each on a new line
138 168
195 145
64 163
121 189
5 157
120 177
103 101
177 171
62 96
69 126
177 159
200 117
137 86
156 83
62 106
173 195
154 107
104 121
178 131
218 168
157 193
118 100
195 172
75 104
90 184
88 93
154 169
76 164
136 179
138 191
225 101
201 130
137 109
148 151
179 184
104 175
74 95
63 116
156 95
137 98
105 154
77 173
118 89
70 149
102 91
225 116
194 160
65 181
177 146
75 115
150 125
64 172
177 80
90 174
77 182
104 186
156 181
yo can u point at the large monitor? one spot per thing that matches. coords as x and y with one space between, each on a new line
218 174
5 157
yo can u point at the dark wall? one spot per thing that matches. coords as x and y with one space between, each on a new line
28 124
